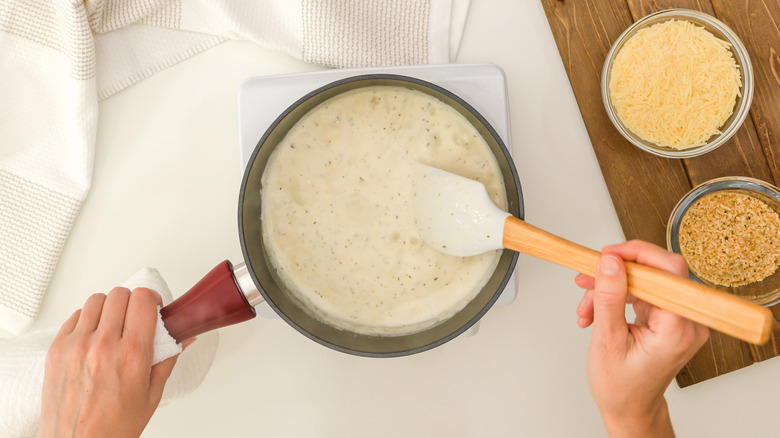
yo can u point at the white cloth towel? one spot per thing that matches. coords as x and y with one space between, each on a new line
22 361
60 57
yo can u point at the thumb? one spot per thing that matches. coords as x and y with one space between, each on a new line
609 297
160 374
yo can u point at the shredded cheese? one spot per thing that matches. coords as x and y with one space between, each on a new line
674 84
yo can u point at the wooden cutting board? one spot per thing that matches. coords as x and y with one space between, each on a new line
644 188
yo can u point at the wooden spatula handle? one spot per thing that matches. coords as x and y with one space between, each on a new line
718 310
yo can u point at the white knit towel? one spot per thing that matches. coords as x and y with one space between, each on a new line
60 57
22 361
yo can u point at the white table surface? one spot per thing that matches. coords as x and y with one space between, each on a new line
164 194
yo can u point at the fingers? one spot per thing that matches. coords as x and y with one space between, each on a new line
584 281
69 325
109 313
588 282
665 323
112 318
648 254
640 252
141 315
90 314
702 334
642 310
609 297
585 309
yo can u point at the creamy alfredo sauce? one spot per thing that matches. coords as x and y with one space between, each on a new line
337 214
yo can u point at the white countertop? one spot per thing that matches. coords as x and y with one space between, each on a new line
164 194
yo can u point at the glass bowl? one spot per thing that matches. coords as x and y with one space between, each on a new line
720 30
765 292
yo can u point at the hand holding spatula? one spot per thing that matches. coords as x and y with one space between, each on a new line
457 217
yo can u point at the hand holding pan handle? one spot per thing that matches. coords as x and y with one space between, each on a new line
225 296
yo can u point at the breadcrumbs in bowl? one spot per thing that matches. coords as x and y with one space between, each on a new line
728 231
730 238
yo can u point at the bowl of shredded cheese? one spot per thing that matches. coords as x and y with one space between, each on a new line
677 83
728 231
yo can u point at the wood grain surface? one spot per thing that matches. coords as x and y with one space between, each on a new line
645 188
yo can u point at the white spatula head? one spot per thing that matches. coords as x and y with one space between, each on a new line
455 215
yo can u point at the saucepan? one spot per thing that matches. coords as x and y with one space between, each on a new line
229 293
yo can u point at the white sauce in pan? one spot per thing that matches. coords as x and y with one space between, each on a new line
337 214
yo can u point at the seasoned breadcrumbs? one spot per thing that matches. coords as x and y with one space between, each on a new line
730 238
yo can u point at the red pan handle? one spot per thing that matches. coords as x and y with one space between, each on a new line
215 301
